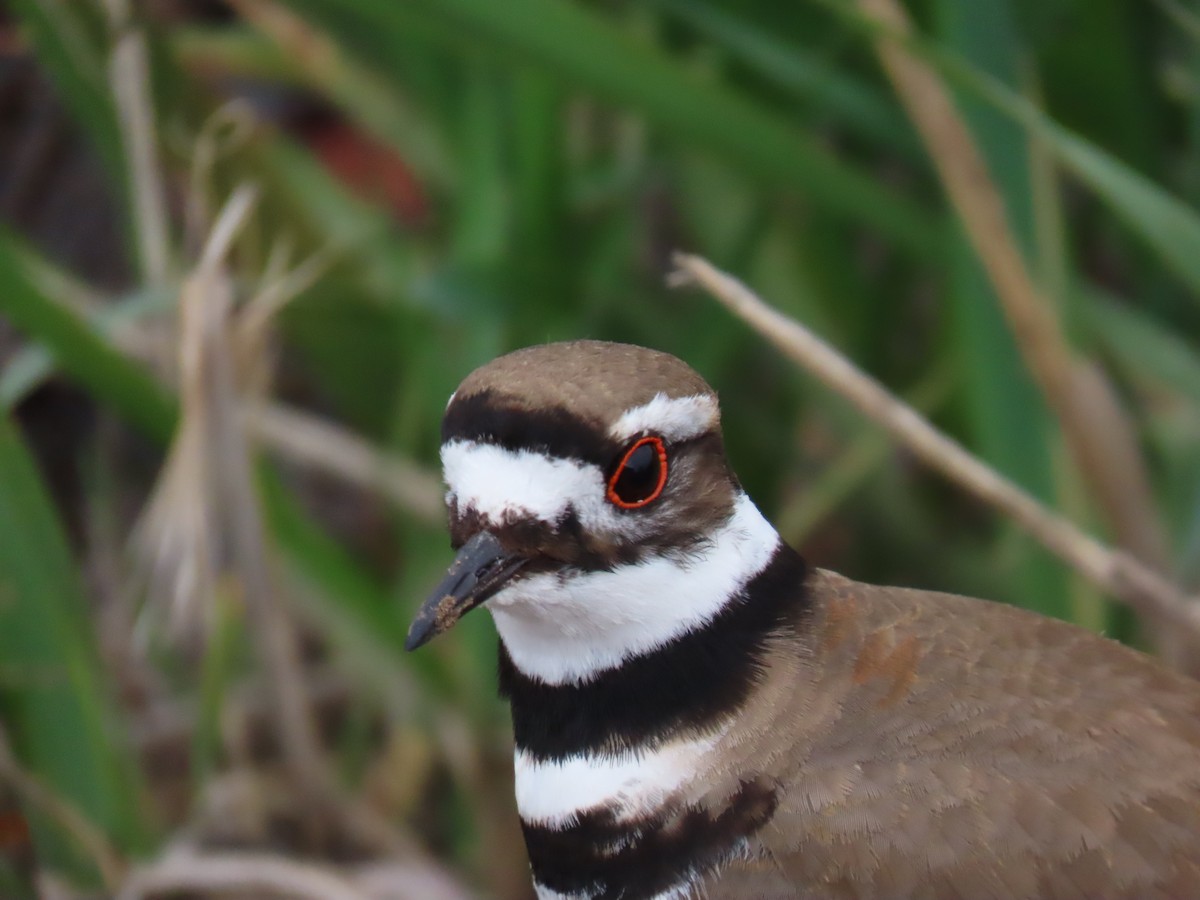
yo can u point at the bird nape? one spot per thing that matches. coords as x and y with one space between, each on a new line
697 713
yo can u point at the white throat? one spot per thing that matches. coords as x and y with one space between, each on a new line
568 628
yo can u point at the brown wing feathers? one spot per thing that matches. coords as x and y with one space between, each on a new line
951 747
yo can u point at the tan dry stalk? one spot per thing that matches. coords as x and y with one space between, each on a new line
1115 571
1097 430
129 77
314 441
239 874
205 517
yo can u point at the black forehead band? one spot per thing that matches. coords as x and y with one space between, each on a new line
487 417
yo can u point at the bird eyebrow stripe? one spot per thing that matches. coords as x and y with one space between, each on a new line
673 418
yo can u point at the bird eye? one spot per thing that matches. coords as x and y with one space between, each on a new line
640 474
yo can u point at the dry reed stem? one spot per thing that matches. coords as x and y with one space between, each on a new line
208 300
1096 428
223 482
296 434
186 869
129 77
320 443
205 517
243 874
181 533
1113 570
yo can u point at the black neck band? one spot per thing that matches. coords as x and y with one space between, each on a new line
696 679
605 859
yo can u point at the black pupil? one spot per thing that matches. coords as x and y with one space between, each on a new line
638 477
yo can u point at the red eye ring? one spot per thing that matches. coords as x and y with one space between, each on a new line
660 451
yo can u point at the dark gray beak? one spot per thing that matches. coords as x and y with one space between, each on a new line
481 568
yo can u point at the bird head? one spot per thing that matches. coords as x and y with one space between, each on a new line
590 504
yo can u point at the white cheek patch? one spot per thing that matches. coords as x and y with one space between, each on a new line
555 792
568 627
672 418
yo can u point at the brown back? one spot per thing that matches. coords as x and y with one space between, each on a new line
929 745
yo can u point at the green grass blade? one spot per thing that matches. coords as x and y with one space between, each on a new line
31 366
572 42
1169 227
80 352
58 715
1144 349
66 35
797 68
1009 422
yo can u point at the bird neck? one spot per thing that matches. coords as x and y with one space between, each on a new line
693 681
602 761
563 628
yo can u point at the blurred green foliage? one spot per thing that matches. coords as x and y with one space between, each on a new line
555 152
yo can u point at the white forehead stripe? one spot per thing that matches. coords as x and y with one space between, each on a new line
555 792
497 482
569 628
674 418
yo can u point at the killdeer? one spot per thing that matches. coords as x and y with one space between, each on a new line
698 713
